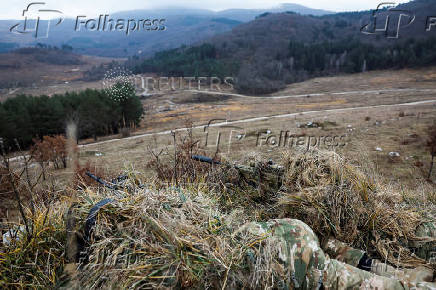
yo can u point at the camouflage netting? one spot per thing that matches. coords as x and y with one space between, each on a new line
337 199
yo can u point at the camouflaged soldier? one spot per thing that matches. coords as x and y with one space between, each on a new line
286 254
262 179
425 249
359 259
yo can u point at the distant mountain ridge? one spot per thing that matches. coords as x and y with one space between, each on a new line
282 48
184 26
239 14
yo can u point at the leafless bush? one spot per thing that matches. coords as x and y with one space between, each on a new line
51 149
11 181
23 184
180 167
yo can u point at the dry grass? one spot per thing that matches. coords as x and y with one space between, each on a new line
337 199
36 260
183 236
158 239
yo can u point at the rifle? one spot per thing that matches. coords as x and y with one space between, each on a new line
101 181
205 159
267 176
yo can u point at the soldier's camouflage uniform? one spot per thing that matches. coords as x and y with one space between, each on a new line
298 261
426 250
354 257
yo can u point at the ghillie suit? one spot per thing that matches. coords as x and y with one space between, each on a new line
255 186
182 239
285 254
360 259
336 199
178 239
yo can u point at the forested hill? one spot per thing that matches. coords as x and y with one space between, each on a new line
276 49
183 26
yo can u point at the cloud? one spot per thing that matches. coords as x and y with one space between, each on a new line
14 8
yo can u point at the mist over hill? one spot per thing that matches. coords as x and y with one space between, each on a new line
281 48
183 26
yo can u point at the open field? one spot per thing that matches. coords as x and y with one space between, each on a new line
389 110
44 78
373 88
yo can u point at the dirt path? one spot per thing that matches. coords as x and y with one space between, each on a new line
255 119
248 120
318 94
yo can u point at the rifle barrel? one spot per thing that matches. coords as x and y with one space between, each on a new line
204 159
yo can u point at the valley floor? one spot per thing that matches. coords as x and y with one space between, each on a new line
376 113
364 116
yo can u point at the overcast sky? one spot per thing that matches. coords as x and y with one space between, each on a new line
12 9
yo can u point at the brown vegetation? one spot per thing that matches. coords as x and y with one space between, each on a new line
336 199
51 150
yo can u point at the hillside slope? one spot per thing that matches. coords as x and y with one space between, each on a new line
184 26
48 66
281 48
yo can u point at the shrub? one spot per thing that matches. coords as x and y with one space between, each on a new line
51 149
